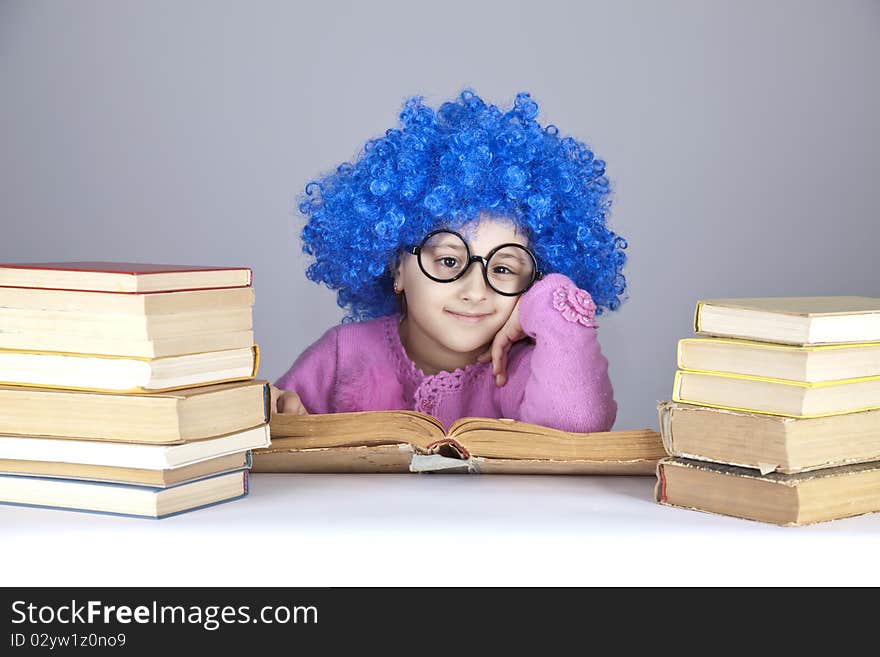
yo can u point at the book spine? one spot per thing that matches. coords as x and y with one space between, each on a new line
665 411
660 493
267 404
256 361
697 316
676 386
449 441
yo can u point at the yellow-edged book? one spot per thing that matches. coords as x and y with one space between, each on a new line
812 364
755 394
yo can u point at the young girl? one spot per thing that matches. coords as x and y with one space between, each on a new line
471 252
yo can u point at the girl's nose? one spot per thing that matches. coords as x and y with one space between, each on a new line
473 284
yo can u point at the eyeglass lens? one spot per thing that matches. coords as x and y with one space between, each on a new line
444 256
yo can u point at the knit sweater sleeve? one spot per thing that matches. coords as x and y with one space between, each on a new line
313 375
563 381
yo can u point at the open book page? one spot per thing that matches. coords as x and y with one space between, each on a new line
354 429
513 439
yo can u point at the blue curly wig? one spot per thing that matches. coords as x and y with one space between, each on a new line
444 169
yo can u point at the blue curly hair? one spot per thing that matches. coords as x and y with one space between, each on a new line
444 169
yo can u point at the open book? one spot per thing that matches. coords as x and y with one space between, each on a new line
409 441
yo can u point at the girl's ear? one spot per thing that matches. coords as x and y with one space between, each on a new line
397 275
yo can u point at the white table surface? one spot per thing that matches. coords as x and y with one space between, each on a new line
336 530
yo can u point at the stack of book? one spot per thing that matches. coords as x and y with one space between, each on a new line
775 413
127 388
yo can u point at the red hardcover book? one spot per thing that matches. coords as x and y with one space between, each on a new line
121 277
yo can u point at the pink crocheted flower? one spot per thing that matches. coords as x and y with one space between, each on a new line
576 305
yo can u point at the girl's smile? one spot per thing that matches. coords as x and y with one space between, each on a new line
471 318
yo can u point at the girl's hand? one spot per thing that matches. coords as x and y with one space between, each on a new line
286 401
511 332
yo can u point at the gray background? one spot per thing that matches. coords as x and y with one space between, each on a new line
741 139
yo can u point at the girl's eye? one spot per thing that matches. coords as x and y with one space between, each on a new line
449 262
503 271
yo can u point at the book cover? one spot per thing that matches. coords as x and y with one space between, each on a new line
122 277
376 459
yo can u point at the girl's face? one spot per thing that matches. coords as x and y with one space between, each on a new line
447 325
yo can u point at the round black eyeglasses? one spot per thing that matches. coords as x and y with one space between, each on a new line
509 269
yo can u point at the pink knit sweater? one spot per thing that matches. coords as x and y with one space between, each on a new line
559 378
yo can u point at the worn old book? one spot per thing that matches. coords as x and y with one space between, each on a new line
122 499
776 396
125 277
409 441
125 373
159 417
131 455
125 475
769 442
778 361
782 499
791 320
